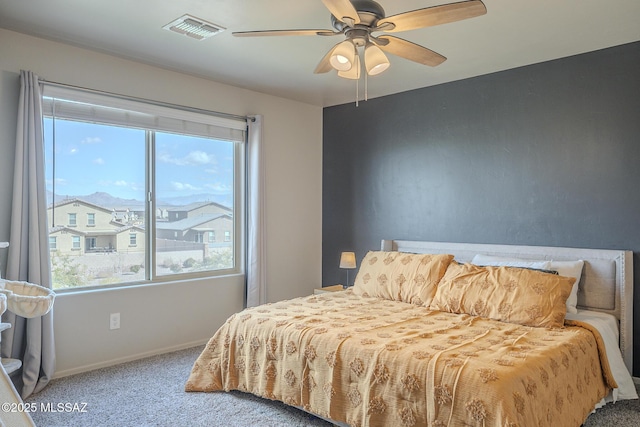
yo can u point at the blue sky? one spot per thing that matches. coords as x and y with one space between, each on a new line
92 157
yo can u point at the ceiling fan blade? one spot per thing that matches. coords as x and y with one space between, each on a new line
436 15
324 66
411 51
284 33
343 10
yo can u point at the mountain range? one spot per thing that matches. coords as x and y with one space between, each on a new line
106 200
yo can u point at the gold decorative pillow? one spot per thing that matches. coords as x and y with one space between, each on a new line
510 294
401 276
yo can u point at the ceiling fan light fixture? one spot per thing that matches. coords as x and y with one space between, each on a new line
342 58
354 72
375 60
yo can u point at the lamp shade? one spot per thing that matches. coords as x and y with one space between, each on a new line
354 72
342 57
348 260
374 59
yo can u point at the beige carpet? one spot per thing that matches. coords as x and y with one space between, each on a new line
150 392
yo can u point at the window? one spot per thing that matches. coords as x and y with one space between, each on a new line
212 237
53 243
91 243
149 178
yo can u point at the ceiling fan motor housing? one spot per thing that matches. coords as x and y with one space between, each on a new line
369 13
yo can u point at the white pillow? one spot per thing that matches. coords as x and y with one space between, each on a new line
570 269
497 261
564 268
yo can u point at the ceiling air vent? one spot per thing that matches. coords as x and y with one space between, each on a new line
196 28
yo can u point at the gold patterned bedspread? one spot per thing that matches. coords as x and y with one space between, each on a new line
373 362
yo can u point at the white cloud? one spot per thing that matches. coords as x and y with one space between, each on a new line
182 186
91 140
73 151
99 161
219 188
200 158
121 183
57 181
193 158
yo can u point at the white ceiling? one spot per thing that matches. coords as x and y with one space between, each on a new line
513 33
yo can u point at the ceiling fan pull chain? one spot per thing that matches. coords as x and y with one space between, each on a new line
357 93
366 86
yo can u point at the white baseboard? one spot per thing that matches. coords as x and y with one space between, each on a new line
120 360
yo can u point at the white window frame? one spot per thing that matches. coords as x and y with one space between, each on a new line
119 110
72 219
76 243
53 243
91 219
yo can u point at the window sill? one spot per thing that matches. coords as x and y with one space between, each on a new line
167 281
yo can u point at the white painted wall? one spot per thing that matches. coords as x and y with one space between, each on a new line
169 316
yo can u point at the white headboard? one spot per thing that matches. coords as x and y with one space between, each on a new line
606 284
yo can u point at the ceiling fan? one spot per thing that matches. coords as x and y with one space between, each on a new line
358 20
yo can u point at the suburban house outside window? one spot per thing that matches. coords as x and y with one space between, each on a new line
53 243
155 183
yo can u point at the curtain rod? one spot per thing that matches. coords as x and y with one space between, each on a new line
149 101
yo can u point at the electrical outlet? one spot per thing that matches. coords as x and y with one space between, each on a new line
114 321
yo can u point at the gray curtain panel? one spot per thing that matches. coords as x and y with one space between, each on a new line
256 241
30 340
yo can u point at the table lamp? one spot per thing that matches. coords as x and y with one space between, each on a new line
348 261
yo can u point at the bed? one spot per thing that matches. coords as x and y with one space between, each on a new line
425 337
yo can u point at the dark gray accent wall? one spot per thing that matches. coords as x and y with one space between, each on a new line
547 154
